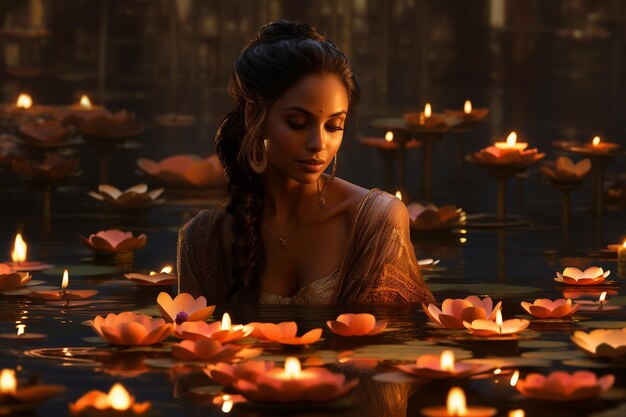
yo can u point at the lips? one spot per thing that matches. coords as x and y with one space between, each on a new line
312 164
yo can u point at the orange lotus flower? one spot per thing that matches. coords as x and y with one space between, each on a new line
183 308
561 386
165 277
114 241
185 171
602 343
455 311
293 384
442 366
284 333
431 217
356 325
15 397
496 156
226 374
566 170
10 280
131 329
43 132
107 126
52 168
136 197
498 327
195 330
544 308
574 276
116 402
209 350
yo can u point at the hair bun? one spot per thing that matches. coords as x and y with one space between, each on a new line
284 29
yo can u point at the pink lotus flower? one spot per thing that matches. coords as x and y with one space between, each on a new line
498 327
185 171
114 241
183 308
544 308
44 132
154 278
131 329
209 350
561 386
52 168
574 276
291 384
566 170
356 325
431 217
226 374
607 344
455 311
496 156
10 280
284 333
442 366
136 197
195 330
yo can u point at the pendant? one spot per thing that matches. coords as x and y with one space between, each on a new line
283 243
322 202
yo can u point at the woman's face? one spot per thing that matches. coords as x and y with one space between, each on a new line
304 127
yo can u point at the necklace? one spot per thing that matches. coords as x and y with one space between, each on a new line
284 241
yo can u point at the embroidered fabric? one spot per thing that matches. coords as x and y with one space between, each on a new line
320 291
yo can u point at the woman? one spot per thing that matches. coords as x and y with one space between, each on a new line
291 234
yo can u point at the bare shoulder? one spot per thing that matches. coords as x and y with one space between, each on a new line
348 196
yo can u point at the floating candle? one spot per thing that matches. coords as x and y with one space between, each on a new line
573 276
467 107
85 103
599 305
442 366
511 143
19 257
24 101
598 145
117 402
456 406
389 136
517 413
544 308
165 277
455 310
64 295
356 325
428 110
488 328
16 398
22 335
131 329
562 386
602 343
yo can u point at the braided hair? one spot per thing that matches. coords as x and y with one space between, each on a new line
281 54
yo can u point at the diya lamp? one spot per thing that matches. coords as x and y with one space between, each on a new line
499 384
293 384
20 262
488 328
469 114
509 152
456 406
65 297
16 398
511 143
117 402
599 305
223 331
607 344
442 366
621 260
562 386
599 146
164 277
22 335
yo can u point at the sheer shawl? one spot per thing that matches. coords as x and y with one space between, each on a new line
378 267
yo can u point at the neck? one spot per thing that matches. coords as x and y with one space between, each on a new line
286 199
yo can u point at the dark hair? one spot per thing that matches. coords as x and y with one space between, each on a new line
279 56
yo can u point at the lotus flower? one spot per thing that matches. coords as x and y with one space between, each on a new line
44 132
98 403
284 333
226 374
195 330
120 125
165 277
185 171
488 328
356 325
561 386
52 168
17 398
183 308
429 217
291 384
442 366
544 308
574 276
209 350
496 156
114 241
136 197
435 121
567 171
608 344
131 329
474 116
10 280
455 311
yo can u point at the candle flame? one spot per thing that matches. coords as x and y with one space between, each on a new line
226 322
624 244
517 413
399 195
24 101
66 279
118 397
602 297
497 371
85 103
596 141
20 249
389 136
467 107
8 383
499 318
428 110
446 361
227 405
152 273
511 139
456 404
20 329
292 367
166 269
514 378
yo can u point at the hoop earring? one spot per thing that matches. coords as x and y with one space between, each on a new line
258 164
333 170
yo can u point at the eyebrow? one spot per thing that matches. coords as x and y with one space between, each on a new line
308 113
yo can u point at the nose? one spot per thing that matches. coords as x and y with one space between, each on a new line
316 140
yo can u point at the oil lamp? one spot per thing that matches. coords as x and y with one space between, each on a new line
456 406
